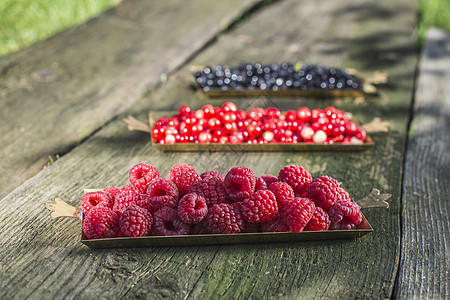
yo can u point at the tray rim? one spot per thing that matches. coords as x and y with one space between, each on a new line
226 239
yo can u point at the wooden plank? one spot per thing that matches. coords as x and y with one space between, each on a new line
94 72
41 258
425 259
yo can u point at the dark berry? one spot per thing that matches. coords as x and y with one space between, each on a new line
212 173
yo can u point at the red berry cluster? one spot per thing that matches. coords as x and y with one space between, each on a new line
189 203
257 126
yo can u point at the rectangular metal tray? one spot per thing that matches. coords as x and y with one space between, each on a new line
270 147
220 239
367 91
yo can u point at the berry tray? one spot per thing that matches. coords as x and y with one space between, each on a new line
135 125
250 80
375 199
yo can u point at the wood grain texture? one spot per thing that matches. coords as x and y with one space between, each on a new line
98 71
425 260
40 258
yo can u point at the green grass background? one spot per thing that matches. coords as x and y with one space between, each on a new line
24 22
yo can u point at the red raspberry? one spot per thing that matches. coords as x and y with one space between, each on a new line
320 221
297 177
141 175
210 189
260 184
239 183
183 176
111 191
101 222
343 194
198 228
251 227
282 191
163 192
125 199
212 173
323 191
269 179
192 208
93 199
276 225
127 188
345 215
260 206
135 221
144 202
297 212
167 222
223 218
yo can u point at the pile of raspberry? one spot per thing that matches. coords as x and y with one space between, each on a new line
209 203
228 125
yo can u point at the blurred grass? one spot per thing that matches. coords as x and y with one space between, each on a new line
433 13
23 22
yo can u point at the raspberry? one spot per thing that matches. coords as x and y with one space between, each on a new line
183 176
93 199
162 192
239 183
320 221
276 225
212 173
297 177
260 206
223 218
260 184
192 208
111 191
282 191
135 221
167 222
345 215
343 194
101 222
144 202
210 189
269 179
323 191
297 212
198 228
141 175
125 199
251 227
127 188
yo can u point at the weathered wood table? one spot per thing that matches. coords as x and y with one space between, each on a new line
66 96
